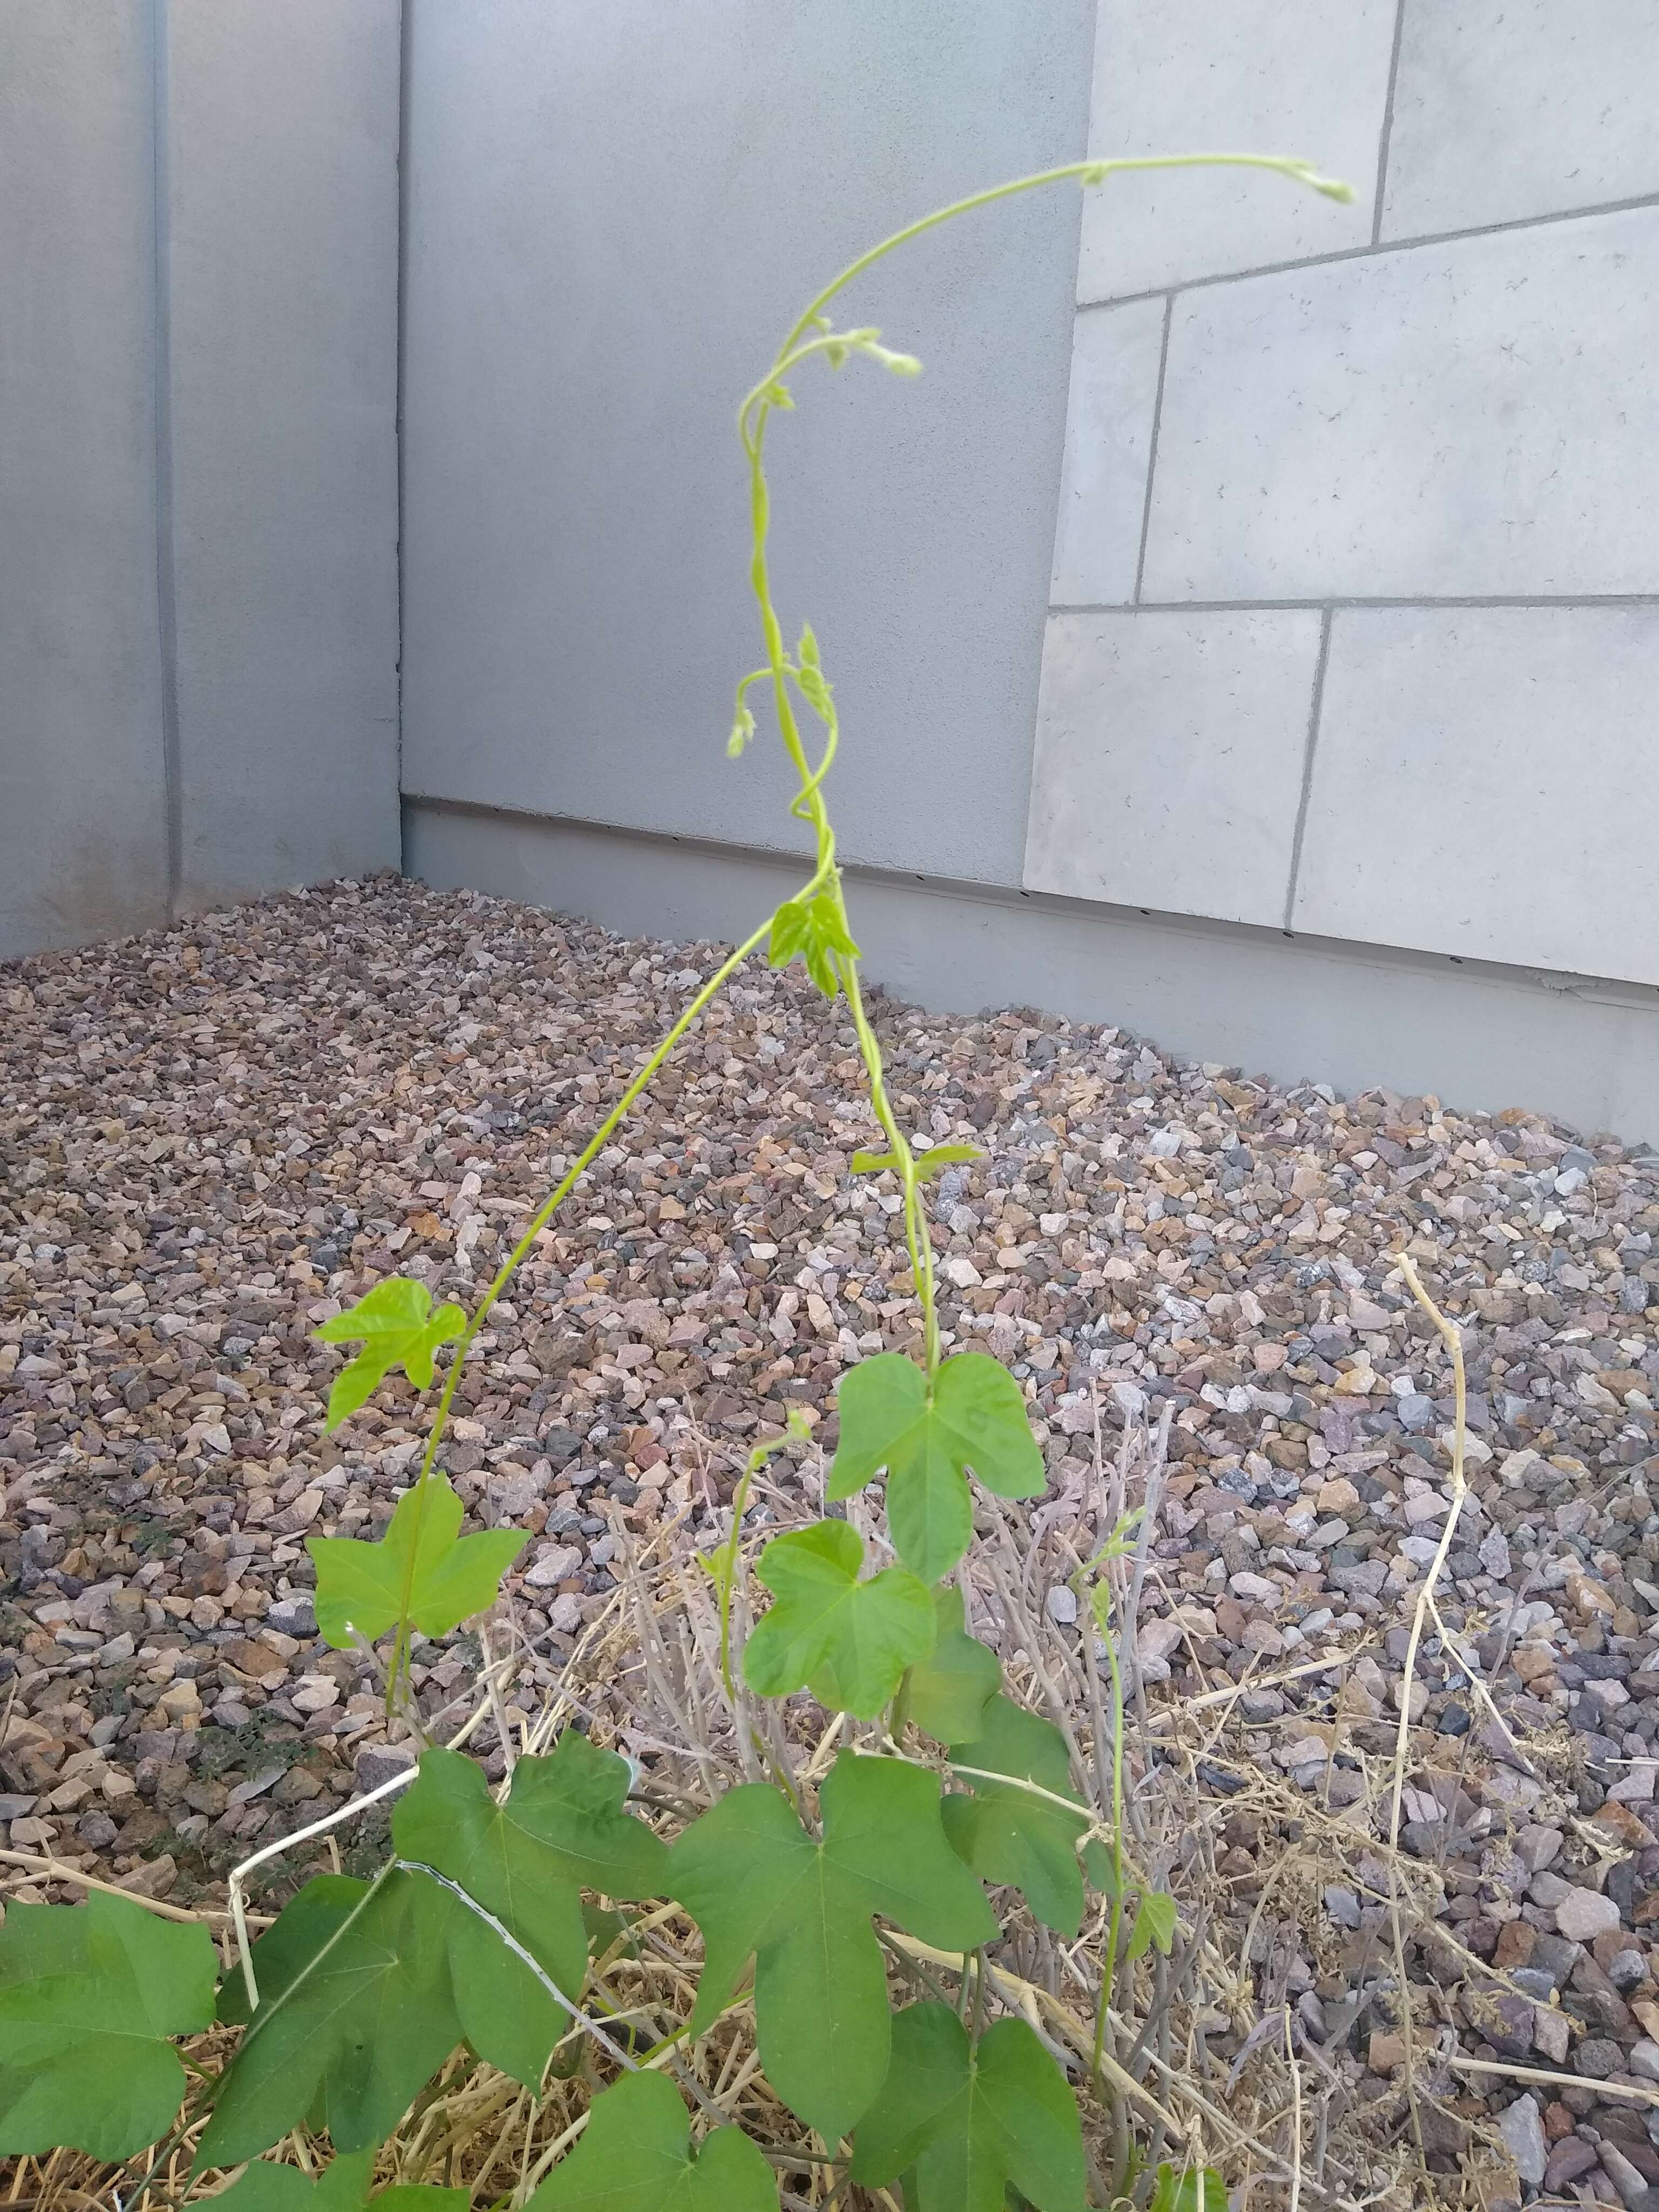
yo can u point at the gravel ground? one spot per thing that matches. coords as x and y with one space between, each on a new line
211 1140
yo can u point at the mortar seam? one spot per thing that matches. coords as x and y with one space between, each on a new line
1376 252
1151 446
1386 134
1315 708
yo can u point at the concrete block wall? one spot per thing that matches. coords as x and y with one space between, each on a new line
1354 622
198 605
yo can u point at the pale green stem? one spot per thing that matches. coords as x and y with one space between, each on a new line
1116 1921
1093 172
520 1251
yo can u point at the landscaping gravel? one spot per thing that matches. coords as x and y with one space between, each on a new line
212 1139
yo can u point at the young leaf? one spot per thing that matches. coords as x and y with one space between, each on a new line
755 1881
812 928
1008 1834
950 1688
359 1585
89 1996
933 1162
562 1829
975 1416
850 1640
355 2017
1154 1925
397 1328
636 2156
1193 2189
970 2121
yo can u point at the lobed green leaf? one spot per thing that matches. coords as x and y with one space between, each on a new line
562 1829
1007 1834
397 1328
635 2155
342 2186
974 1416
356 2015
90 1996
364 1992
359 1585
851 1641
950 1688
931 1162
812 930
757 1884
967 2122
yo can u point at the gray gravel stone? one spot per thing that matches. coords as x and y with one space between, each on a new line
1521 2126
218 1135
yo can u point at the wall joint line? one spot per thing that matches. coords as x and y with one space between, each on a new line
1151 446
1315 707
166 613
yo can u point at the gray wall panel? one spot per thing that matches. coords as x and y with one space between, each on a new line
614 214
82 799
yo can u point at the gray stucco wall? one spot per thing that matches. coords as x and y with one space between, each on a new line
614 215
198 455
83 811
1355 628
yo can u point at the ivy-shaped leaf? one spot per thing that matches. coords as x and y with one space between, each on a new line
355 2017
813 929
974 1416
359 1585
851 1641
561 1830
755 1881
89 1995
397 1328
950 1688
342 2186
636 2156
970 2122
1010 1835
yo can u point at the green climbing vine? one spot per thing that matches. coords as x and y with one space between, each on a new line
477 1931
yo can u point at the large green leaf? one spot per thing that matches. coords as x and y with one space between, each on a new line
342 2186
1007 1834
89 1995
355 2017
397 1328
850 1640
970 2121
974 1417
361 1585
755 1881
562 1829
636 2156
950 1688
